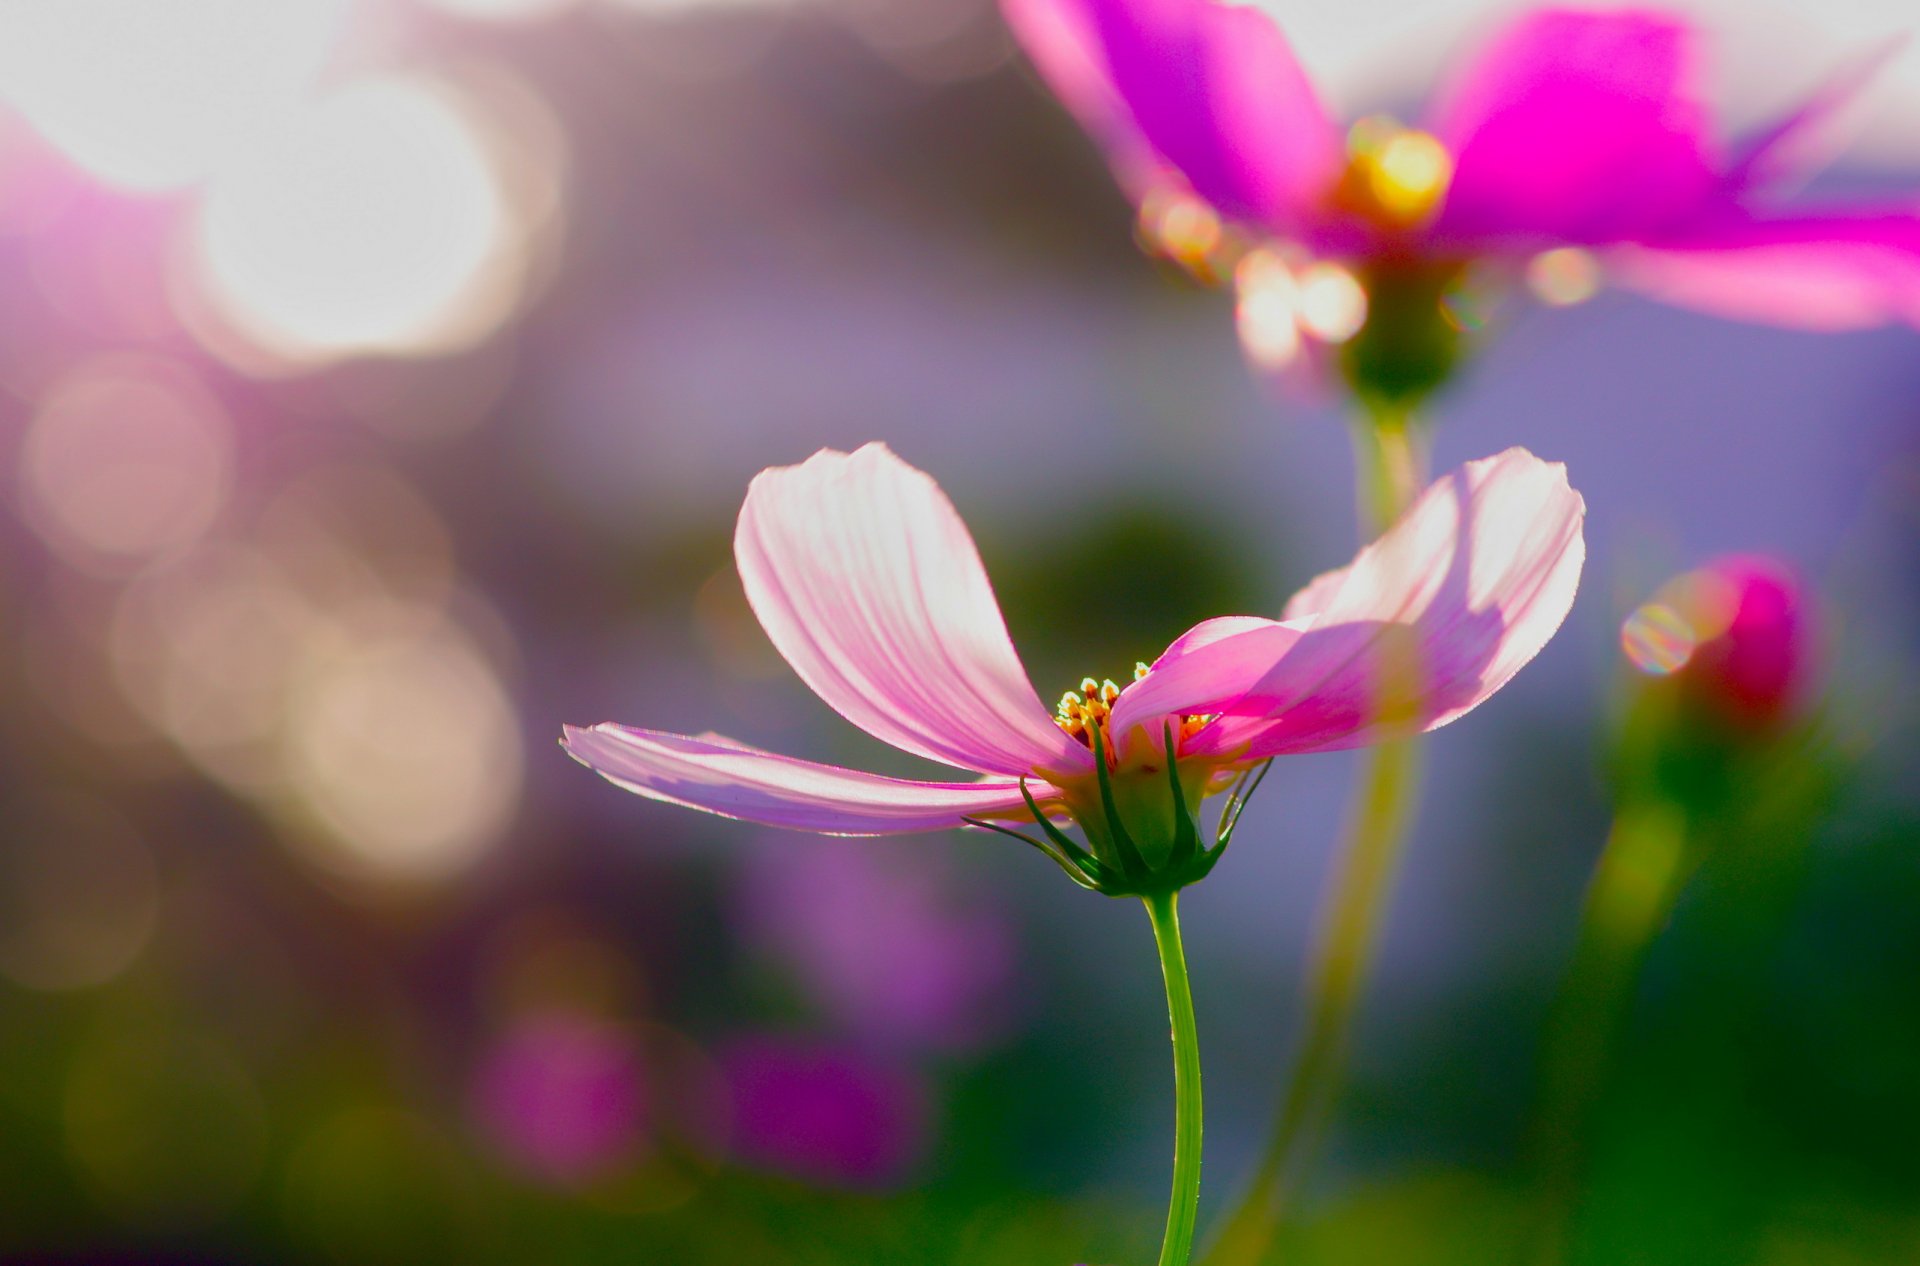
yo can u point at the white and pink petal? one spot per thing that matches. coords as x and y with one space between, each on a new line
867 581
1426 623
734 780
1207 669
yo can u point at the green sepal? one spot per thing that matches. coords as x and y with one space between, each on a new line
1059 859
1132 864
1080 866
1186 836
1060 838
1187 860
1237 804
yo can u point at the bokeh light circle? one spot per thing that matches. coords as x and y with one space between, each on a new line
1658 640
1564 276
501 10
149 95
1333 303
406 750
1267 309
377 220
126 458
203 650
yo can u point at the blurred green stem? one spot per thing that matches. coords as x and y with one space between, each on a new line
1389 464
1640 873
1390 469
1184 1206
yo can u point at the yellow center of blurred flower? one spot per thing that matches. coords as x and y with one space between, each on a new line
1395 177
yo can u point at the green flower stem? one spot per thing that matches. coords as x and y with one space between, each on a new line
1184 1207
1390 470
1389 464
1641 870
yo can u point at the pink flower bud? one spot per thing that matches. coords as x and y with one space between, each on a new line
1735 636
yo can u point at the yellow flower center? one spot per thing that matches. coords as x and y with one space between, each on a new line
1082 711
1395 176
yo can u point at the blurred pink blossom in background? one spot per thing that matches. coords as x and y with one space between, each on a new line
563 1098
881 942
825 1113
1757 669
1568 129
1735 634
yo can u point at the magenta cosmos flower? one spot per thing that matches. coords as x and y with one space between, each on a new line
1568 132
868 583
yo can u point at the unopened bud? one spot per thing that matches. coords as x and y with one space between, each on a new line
1733 634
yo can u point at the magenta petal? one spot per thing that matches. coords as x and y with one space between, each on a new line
1061 38
1207 669
869 584
1211 90
1817 272
1806 138
737 781
1427 622
1577 127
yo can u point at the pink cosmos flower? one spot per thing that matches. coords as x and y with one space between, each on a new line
1568 129
868 583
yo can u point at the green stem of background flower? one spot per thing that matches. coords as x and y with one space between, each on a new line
1184 1207
1389 466
1639 875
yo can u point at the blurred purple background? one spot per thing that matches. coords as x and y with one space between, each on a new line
378 382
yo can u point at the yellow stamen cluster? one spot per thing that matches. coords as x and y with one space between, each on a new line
1395 176
1082 711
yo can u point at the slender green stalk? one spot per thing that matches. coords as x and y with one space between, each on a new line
1389 466
1184 1207
1639 875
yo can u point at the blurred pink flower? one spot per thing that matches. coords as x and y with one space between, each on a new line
827 1114
564 1099
868 583
1569 128
1756 669
882 944
1734 636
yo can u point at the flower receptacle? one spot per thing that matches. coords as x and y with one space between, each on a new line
1141 822
1414 337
